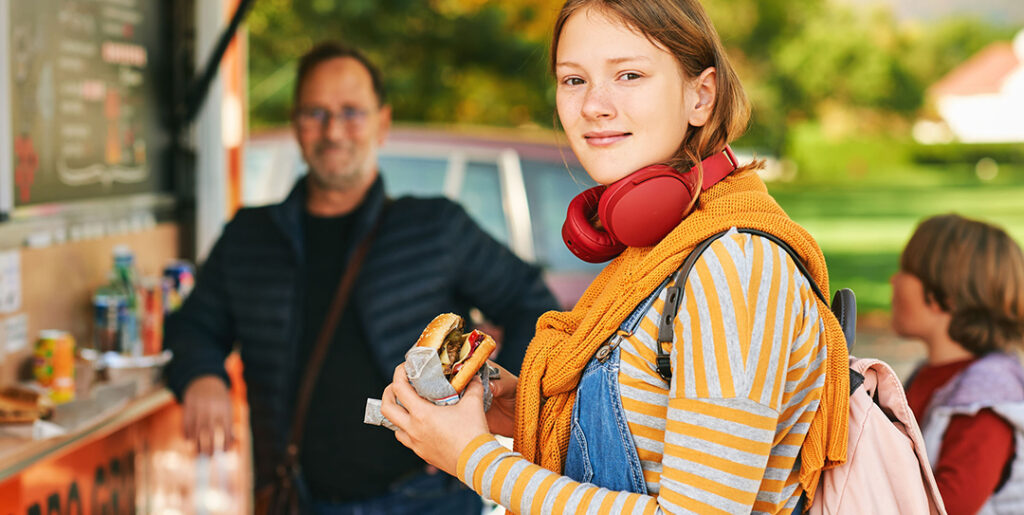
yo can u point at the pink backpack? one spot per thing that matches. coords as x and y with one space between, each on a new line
886 469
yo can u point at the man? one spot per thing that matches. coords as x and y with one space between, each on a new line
269 279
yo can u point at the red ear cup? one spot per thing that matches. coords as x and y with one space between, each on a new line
587 242
642 208
638 210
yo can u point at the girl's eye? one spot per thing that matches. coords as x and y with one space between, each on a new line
630 76
572 81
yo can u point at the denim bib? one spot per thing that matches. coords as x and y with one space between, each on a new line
601 448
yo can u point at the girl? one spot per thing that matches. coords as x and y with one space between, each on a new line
960 290
755 401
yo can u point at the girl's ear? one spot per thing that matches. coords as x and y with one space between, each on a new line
706 88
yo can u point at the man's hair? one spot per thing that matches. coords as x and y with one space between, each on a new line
327 50
975 272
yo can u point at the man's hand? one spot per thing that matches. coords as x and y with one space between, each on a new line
207 407
501 418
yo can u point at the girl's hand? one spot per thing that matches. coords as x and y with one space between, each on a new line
438 434
501 418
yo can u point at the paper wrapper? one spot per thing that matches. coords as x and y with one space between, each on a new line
423 366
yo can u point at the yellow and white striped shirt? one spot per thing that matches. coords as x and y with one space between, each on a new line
725 435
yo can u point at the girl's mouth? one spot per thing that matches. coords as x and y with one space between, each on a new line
605 138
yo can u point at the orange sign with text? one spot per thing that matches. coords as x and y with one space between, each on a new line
95 478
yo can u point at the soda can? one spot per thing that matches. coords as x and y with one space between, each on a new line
42 358
54 364
179 278
63 387
109 310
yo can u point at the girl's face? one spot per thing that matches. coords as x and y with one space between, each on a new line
623 102
913 315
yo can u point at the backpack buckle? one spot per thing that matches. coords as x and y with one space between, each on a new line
664 363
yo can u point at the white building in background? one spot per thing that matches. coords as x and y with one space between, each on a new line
980 101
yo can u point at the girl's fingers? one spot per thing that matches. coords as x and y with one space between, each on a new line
391 410
474 390
405 393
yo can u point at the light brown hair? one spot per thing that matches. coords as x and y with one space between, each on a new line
975 272
682 28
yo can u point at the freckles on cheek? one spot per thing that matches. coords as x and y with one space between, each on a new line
567 106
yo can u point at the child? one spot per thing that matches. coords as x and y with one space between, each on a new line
755 403
960 290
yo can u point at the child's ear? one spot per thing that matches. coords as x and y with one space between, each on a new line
933 304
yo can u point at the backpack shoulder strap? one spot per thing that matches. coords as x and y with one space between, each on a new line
673 297
674 294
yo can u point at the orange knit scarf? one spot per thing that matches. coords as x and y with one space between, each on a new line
566 341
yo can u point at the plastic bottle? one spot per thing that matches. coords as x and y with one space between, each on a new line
110 306
126 281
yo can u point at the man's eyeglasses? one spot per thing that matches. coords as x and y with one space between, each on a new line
317 118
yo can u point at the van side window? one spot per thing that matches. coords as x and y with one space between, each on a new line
481 196
549 188
413 176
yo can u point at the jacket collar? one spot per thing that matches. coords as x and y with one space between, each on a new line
288 214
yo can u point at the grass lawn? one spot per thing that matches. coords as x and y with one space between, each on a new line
863 225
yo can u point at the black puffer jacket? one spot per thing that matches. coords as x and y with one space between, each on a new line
428 257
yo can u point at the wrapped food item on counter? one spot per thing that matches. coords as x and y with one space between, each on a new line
22 405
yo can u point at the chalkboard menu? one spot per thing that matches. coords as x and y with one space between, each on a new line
84 104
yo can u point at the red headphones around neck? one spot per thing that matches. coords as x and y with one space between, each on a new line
637 210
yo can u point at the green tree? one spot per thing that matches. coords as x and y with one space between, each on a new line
440 63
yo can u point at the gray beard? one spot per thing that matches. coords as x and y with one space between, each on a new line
335 183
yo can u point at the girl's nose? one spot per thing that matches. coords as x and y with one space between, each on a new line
597 103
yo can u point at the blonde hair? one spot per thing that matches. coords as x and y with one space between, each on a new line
975 272
683 28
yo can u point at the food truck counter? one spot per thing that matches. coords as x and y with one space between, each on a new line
20 449
122 451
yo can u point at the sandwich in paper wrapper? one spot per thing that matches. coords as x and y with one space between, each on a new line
441 365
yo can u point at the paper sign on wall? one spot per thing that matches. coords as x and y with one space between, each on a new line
16 333
10 281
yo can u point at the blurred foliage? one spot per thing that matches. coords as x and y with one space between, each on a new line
953 153
443 60
854 158
472 61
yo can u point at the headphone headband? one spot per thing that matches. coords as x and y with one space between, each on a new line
717 167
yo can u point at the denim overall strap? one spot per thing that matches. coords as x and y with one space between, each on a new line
601 448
